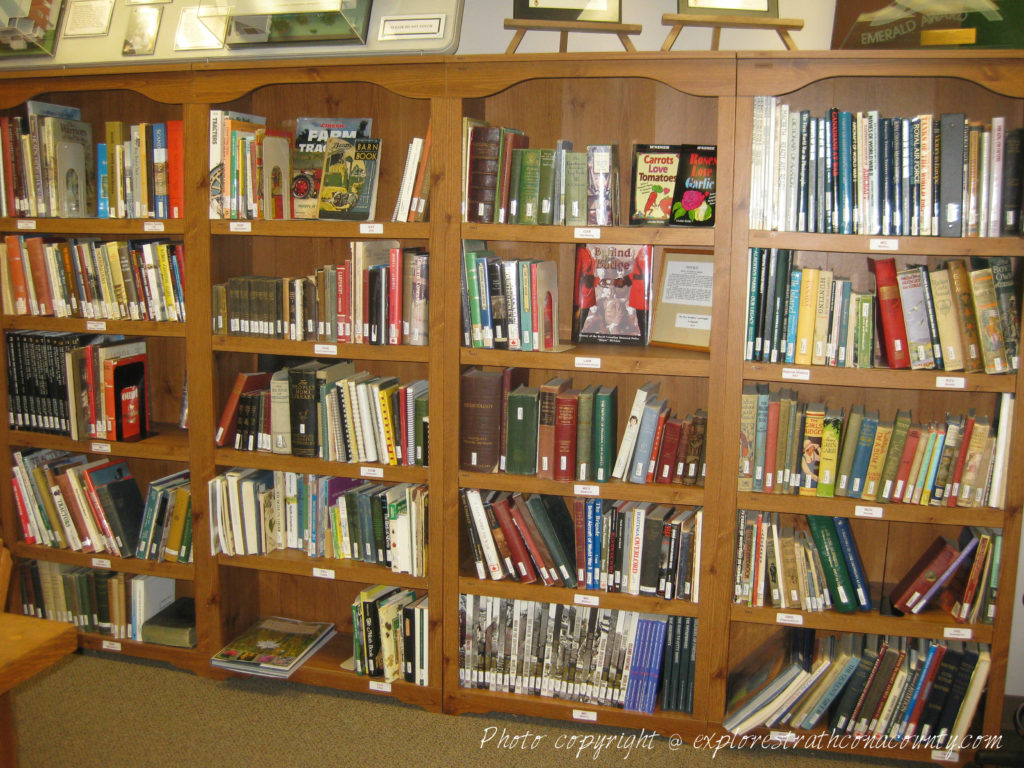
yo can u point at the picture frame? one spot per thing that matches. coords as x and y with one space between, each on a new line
766 8
609 11
682 300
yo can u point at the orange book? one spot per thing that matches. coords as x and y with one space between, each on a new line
19 287
421 186
39 274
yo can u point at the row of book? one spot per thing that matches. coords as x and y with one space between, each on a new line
811 449
76 277
79 385
909 691
310 168
390 637
256 512
961 316
507 182
579 653
51 166
861 173
65 500
378 296
122 606
414 191
328 410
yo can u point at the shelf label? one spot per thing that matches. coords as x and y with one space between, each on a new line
153 226
783 737
796 374
26 224
950 382
792 619
371 228
323 573
585 490
325 349
875 512
592 600
101 562
100 447
958 633
111 645
371 471
952 756
587 233
593 363
883 244
240 226
582 714
380 687
96 325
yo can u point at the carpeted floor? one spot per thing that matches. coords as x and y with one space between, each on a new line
95 711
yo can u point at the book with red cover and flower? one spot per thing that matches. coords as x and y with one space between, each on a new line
693 203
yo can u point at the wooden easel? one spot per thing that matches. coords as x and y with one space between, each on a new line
565 27
680 20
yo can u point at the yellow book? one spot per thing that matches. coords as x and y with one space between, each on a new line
114 133
387 421
810 452
113 263
167 281
822 318
830 442
181 510
948 320
748 419
879 449
806 316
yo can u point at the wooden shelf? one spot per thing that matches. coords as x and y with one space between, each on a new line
694 237
878 246
880 378
105 561
263 460
662 493
179 657
322 229
167 442
135 228
81 325
599 358
260 345
299 564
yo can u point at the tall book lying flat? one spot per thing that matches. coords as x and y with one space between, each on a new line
273 646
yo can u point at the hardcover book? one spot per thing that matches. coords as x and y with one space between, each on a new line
612 294
273 647
348 183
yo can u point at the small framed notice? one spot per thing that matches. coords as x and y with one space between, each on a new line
682 302
88 18
141 30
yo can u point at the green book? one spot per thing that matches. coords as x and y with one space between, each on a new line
546 188
521 437
848 449
900 428
864 331
529 187
514 173
472 281
585 433
840 587
174 625
575 189
830 440
421 427
606 413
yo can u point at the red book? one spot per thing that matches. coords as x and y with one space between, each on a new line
19 286
926 689
516 545
669 449
244 382
914 435
890 312
8 160
659 436
175 169
124 405
958 468
19 502
973 578
511 141
420 187
546 426
344 301
771 443
39 274
78 514
932 563
566 407
679 472
395 296
534 541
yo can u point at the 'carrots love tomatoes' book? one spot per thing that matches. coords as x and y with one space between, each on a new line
655 167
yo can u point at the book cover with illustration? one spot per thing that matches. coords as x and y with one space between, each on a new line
612 293
348 186
653 183
693 203
311 135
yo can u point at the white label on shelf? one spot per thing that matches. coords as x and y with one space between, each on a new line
781 736
96 325
323 573
371 228
796 374
240 226
875 512
101 562
412 27
958 633
951 756
153 226
582 714
371 471
380 687
100 447
950 382
883 244
793 619
592 600
588 362
26 223
587 233
586 490
111 645
325 349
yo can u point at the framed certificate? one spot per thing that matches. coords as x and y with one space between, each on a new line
569 10
767 8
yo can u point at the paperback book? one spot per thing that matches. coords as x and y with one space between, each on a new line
612 294
274 647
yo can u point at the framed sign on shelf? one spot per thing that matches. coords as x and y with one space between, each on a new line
568 10
766 8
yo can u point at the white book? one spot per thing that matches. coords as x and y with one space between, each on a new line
995 176
412 160
628 441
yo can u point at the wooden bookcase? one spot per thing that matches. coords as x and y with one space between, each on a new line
612 98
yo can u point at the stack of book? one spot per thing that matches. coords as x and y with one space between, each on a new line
274 647
390 635
636 548
377 296
812 449
256 512
114 280
578 653
878 688
328 410
861 173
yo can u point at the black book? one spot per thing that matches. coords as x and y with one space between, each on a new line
940 691
564 525
957 692
377 310
1013 168
499 302
851 695
123 506
654 524
304 404
952 128
371 633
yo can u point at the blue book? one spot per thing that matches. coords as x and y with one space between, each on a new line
645 439
484 287
918 687
102 169
795 279
854 564
760 435
852 661
598 517
161 200
862 456
844 355
846 194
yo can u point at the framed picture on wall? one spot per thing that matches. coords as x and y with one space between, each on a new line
569 10
766 8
